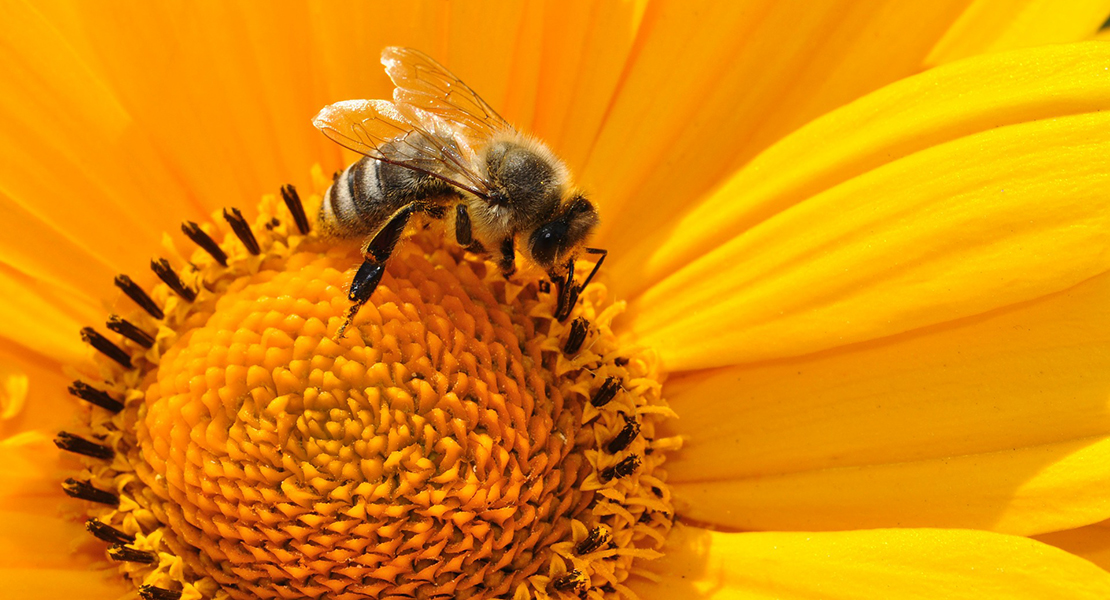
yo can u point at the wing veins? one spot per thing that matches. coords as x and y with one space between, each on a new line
366 142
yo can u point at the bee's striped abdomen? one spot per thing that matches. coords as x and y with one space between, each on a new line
366 193
353 204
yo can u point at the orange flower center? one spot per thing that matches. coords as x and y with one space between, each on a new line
457 441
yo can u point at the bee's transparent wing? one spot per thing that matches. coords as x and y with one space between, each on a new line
425 85
375 128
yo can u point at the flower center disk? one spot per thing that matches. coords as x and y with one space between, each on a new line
457 441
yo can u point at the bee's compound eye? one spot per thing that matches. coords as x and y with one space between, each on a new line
546 243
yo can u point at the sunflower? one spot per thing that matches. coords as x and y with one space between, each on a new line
860 251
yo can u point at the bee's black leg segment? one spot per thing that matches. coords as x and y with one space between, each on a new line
375 255
464 234
567 292
366 280
507 261
383 242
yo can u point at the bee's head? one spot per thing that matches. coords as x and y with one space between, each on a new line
558 238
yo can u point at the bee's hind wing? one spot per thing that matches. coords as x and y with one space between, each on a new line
376 128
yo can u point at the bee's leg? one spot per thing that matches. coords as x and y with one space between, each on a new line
568 290
464 234
507 261
565 293
597 265
375 255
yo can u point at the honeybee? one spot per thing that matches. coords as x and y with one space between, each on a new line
436 146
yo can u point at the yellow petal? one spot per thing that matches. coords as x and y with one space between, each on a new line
980 423
998 25
13 392
1091 542
46 542
45 403
1022 491
708 86
72 155
33 472
886 563
579 79
62 583
224 93
995 195
37 317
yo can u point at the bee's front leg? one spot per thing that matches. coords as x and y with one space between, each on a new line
375 255
566 293
567 289
507 261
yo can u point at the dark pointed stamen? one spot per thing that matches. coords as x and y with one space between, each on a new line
205 241
94 396
105 346
107 533
625 436
84 490
123 553
79 445
606 392
293 201
624 468
578 330
165 272
571 581
599 537
149 592
130 331
242 229
136 293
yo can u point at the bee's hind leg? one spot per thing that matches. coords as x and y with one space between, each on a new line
375 255
464 231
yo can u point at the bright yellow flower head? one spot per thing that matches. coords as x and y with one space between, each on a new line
861 250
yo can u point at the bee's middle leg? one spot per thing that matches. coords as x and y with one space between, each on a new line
464 232
507 260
